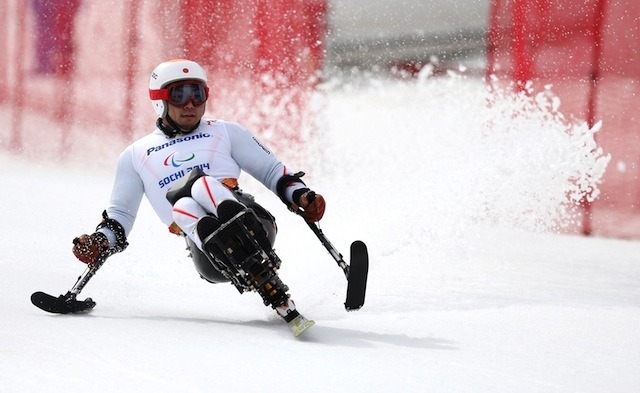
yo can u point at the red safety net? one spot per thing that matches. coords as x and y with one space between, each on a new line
80 69
589 51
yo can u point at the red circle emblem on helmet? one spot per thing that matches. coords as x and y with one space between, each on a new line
185 70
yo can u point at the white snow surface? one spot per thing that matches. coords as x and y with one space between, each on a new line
472 288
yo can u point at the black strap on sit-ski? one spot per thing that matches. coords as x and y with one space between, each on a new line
182 188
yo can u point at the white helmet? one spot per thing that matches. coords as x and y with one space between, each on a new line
169 72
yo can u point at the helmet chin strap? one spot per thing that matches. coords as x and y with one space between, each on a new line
173 128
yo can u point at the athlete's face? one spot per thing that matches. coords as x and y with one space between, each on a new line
188 116
186 101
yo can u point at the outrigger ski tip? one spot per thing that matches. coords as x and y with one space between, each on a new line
356 273
63 304
67 303
357 276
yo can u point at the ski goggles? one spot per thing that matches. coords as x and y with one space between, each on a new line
181 93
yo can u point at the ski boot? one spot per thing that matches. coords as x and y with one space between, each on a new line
237 243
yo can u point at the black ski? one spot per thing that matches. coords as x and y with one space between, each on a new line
67 303
357 276
63 304
356 273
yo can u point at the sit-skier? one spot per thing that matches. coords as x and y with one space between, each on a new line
188 167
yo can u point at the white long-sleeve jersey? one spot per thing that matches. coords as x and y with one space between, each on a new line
150 166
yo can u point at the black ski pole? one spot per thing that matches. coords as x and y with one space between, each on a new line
89 272
332 250
67 303
356 273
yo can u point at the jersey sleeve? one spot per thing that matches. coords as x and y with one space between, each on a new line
256 159
127 192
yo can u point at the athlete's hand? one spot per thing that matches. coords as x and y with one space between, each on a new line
312 205
87 248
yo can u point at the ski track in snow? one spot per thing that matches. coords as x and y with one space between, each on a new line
469 288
